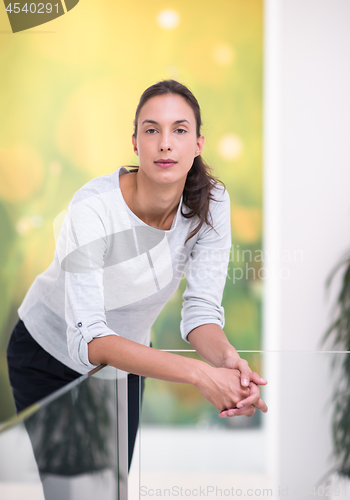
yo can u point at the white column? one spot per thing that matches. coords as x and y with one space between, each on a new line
307 216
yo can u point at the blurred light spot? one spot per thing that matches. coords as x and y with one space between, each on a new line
23 226
21 173
36 221
230 147
198 59
257 287
246 223
223 54
173 72
168 19
26 224
55 168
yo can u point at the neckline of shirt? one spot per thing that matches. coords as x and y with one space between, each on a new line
134 216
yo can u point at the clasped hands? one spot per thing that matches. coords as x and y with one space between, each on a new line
232 388
245 385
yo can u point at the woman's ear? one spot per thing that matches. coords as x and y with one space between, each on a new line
200 145
134 143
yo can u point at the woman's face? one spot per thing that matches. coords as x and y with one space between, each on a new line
166 141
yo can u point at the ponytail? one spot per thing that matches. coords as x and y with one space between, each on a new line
197 194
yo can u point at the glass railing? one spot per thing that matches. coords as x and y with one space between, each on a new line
71 445
288 452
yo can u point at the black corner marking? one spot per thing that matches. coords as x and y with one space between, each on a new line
70 4
24 15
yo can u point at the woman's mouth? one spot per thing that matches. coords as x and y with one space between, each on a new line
165 162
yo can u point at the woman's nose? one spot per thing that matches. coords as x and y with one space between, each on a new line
165 143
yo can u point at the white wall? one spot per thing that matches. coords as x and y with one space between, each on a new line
307 209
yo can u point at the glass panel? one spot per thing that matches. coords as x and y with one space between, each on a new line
71 445
288 454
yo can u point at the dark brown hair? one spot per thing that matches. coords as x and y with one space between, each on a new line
200 182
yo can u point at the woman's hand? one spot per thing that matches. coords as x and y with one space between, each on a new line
247 406
248 378
222 388
211 343
234 361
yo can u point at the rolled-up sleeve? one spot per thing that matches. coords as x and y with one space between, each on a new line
206 270
82 246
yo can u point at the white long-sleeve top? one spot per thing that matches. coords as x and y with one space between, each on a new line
112 274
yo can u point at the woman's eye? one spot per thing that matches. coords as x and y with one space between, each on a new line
180 130
151 131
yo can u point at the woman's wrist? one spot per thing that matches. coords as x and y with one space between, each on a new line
230 357
198 372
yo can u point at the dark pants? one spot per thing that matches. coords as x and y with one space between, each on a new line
34 374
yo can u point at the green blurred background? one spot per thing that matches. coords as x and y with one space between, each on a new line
68 93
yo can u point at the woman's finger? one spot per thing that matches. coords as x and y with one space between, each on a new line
262 406
254 377
253 399
243 367
247 411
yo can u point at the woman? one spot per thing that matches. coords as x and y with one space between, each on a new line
126 240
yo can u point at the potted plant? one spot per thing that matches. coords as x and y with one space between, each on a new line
338 335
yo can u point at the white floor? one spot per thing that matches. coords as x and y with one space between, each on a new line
19 477
170 463
194 463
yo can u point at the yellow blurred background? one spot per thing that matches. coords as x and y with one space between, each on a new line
68 93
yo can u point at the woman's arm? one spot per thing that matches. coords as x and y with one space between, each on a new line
202 312
220 386
212 345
